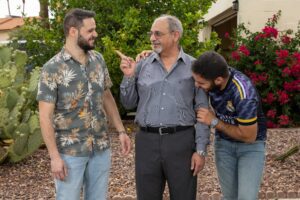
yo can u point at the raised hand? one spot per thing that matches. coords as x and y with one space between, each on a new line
127 65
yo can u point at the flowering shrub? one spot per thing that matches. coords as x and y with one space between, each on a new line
271 59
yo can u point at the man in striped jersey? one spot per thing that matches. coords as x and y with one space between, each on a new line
240 125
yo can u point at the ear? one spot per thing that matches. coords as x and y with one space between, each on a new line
219 80
176 35
73 31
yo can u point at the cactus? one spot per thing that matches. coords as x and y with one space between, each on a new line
20 133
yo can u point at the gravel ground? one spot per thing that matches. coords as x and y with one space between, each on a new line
31 178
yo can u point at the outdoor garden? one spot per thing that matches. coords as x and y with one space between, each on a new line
271 58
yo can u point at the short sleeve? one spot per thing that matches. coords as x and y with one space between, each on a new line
247 112
47 86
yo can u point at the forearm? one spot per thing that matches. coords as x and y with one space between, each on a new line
202 137
112 112
244 134
49 136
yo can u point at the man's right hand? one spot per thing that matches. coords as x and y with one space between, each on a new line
127 65
59 169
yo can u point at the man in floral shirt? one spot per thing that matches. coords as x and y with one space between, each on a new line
74 100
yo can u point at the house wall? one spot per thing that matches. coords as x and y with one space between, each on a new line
257 12
4 35
254 14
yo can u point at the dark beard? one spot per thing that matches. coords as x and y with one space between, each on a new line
83 44
214 87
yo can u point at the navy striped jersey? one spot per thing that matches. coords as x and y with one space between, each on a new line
239 103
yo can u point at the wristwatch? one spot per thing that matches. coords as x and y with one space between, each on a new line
214 122
201 153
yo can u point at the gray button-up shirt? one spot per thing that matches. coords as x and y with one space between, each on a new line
166 98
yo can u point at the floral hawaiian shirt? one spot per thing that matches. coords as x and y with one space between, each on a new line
76 90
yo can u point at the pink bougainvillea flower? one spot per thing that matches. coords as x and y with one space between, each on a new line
292 86
295 70
257 62
283 97
259 36
286 72
270 98
271 113
297 56
284 120
226 35
271 124
244 50
270 31
235 55
282 53
285 39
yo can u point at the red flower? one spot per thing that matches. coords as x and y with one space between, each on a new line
286 72
282 53
284 120
270 31
280 62
263 77
244 50
295 70
235 55
285 39
271 124
270 98
257 62
283 97
271 114
259 36
226 35
292 86
297 56
254 77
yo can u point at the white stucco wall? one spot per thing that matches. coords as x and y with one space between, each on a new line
254 13
257 12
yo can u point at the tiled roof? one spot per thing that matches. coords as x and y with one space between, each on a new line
10 23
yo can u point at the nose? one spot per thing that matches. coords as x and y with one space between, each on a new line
95 34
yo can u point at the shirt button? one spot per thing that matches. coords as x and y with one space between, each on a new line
164 93
162 108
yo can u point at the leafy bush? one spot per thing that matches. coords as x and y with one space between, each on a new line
121 24
272 60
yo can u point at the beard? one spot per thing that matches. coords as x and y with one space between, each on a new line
84 44
214 87
158 49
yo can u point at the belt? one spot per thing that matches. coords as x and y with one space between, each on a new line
164 130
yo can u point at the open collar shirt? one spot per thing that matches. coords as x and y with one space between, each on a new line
166 98
76 90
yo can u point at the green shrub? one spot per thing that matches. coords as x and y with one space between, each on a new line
272 60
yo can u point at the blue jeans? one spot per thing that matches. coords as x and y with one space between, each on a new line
240 168
90 173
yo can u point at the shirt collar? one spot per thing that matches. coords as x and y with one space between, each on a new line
181 56
67 56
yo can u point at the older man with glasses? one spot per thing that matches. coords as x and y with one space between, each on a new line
171 144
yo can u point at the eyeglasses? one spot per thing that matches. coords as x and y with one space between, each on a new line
156 34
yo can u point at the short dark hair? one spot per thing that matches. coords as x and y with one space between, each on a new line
210 65
75 17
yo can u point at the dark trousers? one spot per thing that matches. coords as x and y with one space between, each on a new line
165 158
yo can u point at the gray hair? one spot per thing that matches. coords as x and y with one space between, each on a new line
174 23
